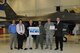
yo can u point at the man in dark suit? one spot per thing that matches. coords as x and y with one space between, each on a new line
59 34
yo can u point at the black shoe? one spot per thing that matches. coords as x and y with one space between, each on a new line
30 48
11 48
25 48
61 50
18 48
21 48
56 49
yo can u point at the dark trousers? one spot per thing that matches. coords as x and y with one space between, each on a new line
20 41
59 40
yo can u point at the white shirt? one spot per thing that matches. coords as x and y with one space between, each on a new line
58 22
76 29
20 28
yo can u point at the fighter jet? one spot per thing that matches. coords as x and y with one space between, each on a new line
9 12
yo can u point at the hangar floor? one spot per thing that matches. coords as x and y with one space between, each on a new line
69 47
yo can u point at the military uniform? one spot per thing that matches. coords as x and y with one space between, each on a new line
40 38
49 34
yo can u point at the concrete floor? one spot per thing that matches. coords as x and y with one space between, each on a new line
68 48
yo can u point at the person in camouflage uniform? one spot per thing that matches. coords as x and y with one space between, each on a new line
49 33
40 38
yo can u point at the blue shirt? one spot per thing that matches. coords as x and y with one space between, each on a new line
12 29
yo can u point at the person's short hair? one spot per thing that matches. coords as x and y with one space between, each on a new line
49 18
20 19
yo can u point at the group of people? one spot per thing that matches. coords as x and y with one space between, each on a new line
17 33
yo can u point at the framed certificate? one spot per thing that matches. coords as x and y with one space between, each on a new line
52 27
34 31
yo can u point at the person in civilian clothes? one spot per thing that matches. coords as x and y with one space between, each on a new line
20 34
40 38
59 34
13 34
29 41
49 33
